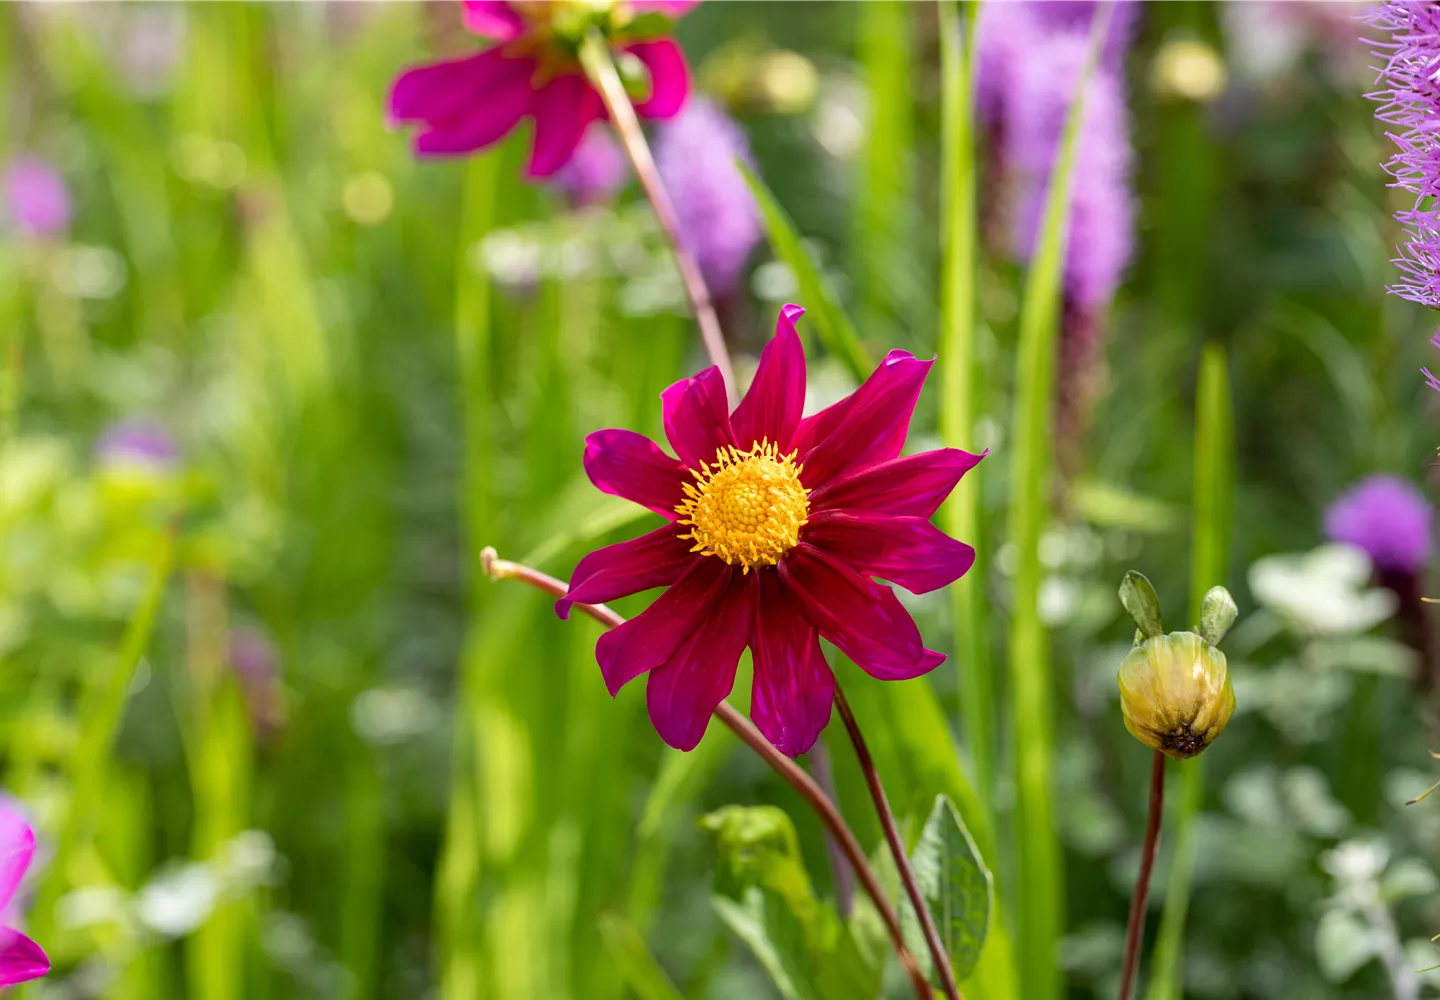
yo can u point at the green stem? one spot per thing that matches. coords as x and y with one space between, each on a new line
600 68
1040 873
959 376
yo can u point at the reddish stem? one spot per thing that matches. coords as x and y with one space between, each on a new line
814 796
938 954
1136 929
600 68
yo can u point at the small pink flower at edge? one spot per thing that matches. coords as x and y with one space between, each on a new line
775 527
21 959
463 105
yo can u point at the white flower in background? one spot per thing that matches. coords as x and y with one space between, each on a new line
1324 592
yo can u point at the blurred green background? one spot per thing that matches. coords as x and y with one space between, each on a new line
280 739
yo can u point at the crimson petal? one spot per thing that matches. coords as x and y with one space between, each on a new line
629 465
912 486
449 89
17 848
775 401
909 551
793 689
866 427
657 559
651 637
863 618
563 109
683 692
21 959
669 77
697 417
493 19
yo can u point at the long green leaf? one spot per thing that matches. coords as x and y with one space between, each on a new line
836 331
637 966
1214 491
959 376
957 888
1038 863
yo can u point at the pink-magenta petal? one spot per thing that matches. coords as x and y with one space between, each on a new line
866 427
17 848
657 559
670 8
563 109
790 699
448 89
775 401
21 959
683 692
629 465
697 417
913 486
669 77
863 618
493 19
908 551
651 637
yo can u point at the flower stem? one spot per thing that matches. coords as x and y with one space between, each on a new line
1136 927
824 808
600 68
897 849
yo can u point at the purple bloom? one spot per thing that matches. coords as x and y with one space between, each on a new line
719 220
138 442
596 172
37 197
1387 517
257 668
1102 208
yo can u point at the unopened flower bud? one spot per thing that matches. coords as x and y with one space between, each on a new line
1175 693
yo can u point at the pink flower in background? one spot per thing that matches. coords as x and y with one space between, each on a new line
596 172
1386 516
466 104
815 507
37 197
21 959
137 443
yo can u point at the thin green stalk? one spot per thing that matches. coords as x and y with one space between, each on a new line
1214 491
958 374
1040 873
100 714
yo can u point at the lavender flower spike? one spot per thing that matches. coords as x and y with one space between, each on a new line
596 172
719 221
137 442
1387 517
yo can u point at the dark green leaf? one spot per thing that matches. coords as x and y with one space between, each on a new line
956 887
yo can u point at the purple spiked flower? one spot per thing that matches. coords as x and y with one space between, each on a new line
137 442
257 669
596 172
37 197
1386 516
719 221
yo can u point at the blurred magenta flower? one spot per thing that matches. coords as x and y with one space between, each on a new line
137 442
21 959
37 197
1386 516
719 221
469 103
257 669
596 172
815 506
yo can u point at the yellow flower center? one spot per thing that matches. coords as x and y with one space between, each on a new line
746 507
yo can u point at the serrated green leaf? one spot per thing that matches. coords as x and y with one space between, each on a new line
957 888
836 331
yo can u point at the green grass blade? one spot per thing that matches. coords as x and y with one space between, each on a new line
637 966
836 331
1038 860
1214 508
959 377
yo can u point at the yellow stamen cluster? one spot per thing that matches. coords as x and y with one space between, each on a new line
746 507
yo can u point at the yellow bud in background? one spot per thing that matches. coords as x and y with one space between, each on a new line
1175 693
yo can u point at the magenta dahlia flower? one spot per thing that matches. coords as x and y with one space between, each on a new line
534 72
21 959
815 507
